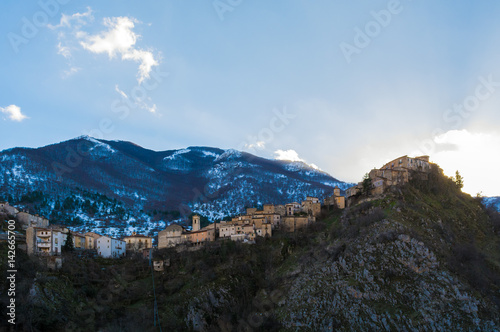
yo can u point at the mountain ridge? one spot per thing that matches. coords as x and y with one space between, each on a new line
210 181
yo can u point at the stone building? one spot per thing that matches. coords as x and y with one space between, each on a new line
336 199
8 209
171 236
269 209
196 225
294 223
174 235
280 209
420 164
311 206
292 208
396 172
160 264
384 178
244 219
200 237
264 230
28 220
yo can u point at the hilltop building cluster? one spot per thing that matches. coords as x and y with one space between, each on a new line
396 172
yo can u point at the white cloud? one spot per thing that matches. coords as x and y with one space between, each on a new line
152 109
79 18
14 113
259 145
474 155
70 25
119 39
143 103
63 50
146 59
290 155
123 94
71 71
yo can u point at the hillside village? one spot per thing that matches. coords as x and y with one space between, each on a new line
46 240
398 257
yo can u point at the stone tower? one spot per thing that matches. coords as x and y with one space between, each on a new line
196 223
336 191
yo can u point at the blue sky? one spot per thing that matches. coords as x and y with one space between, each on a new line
345 86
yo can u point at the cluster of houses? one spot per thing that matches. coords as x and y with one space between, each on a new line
49 241
288 217
44 239
22 217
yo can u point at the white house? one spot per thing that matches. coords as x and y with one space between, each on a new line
109 247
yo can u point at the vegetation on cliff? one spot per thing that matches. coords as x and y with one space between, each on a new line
421 257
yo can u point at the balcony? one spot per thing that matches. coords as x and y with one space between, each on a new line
43 244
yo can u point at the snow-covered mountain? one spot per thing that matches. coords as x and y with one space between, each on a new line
98 184
492 202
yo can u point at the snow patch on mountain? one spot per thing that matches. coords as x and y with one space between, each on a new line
210 154
229 154
298 166
13 157
492 202
176 154
135 195
341 185
99 146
